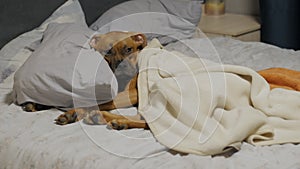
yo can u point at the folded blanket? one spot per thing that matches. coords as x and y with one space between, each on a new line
282 78
196 106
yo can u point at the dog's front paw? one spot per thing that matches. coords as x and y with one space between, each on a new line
71 116
117 124
95 117
66 118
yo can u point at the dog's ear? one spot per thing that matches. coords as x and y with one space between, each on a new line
140 39
93 42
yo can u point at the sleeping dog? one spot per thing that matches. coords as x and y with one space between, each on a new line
115 47
119 46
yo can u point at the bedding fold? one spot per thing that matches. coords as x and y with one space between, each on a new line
193 105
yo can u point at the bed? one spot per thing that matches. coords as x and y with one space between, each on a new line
32 140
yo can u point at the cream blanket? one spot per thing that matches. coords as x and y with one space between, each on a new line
196 106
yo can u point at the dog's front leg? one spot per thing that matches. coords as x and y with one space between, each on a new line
123 99
120 124
115 121
127 98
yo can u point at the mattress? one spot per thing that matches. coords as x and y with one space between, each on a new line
32 140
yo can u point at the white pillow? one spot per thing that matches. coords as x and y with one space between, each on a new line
166 20
64 71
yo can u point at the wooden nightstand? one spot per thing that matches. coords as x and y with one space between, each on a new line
242 27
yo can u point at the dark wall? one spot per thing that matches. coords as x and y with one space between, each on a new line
94 8
19 16
280 24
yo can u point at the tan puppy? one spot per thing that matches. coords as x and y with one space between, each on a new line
115 47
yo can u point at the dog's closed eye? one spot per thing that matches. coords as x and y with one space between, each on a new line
128 50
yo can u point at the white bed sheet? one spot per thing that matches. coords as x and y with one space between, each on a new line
32 140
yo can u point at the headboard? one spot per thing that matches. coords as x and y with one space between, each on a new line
19 16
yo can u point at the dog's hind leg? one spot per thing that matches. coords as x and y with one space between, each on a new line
33 107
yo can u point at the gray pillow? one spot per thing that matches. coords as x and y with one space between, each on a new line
64 71
163 19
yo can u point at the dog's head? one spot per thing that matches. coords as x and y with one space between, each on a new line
118 46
